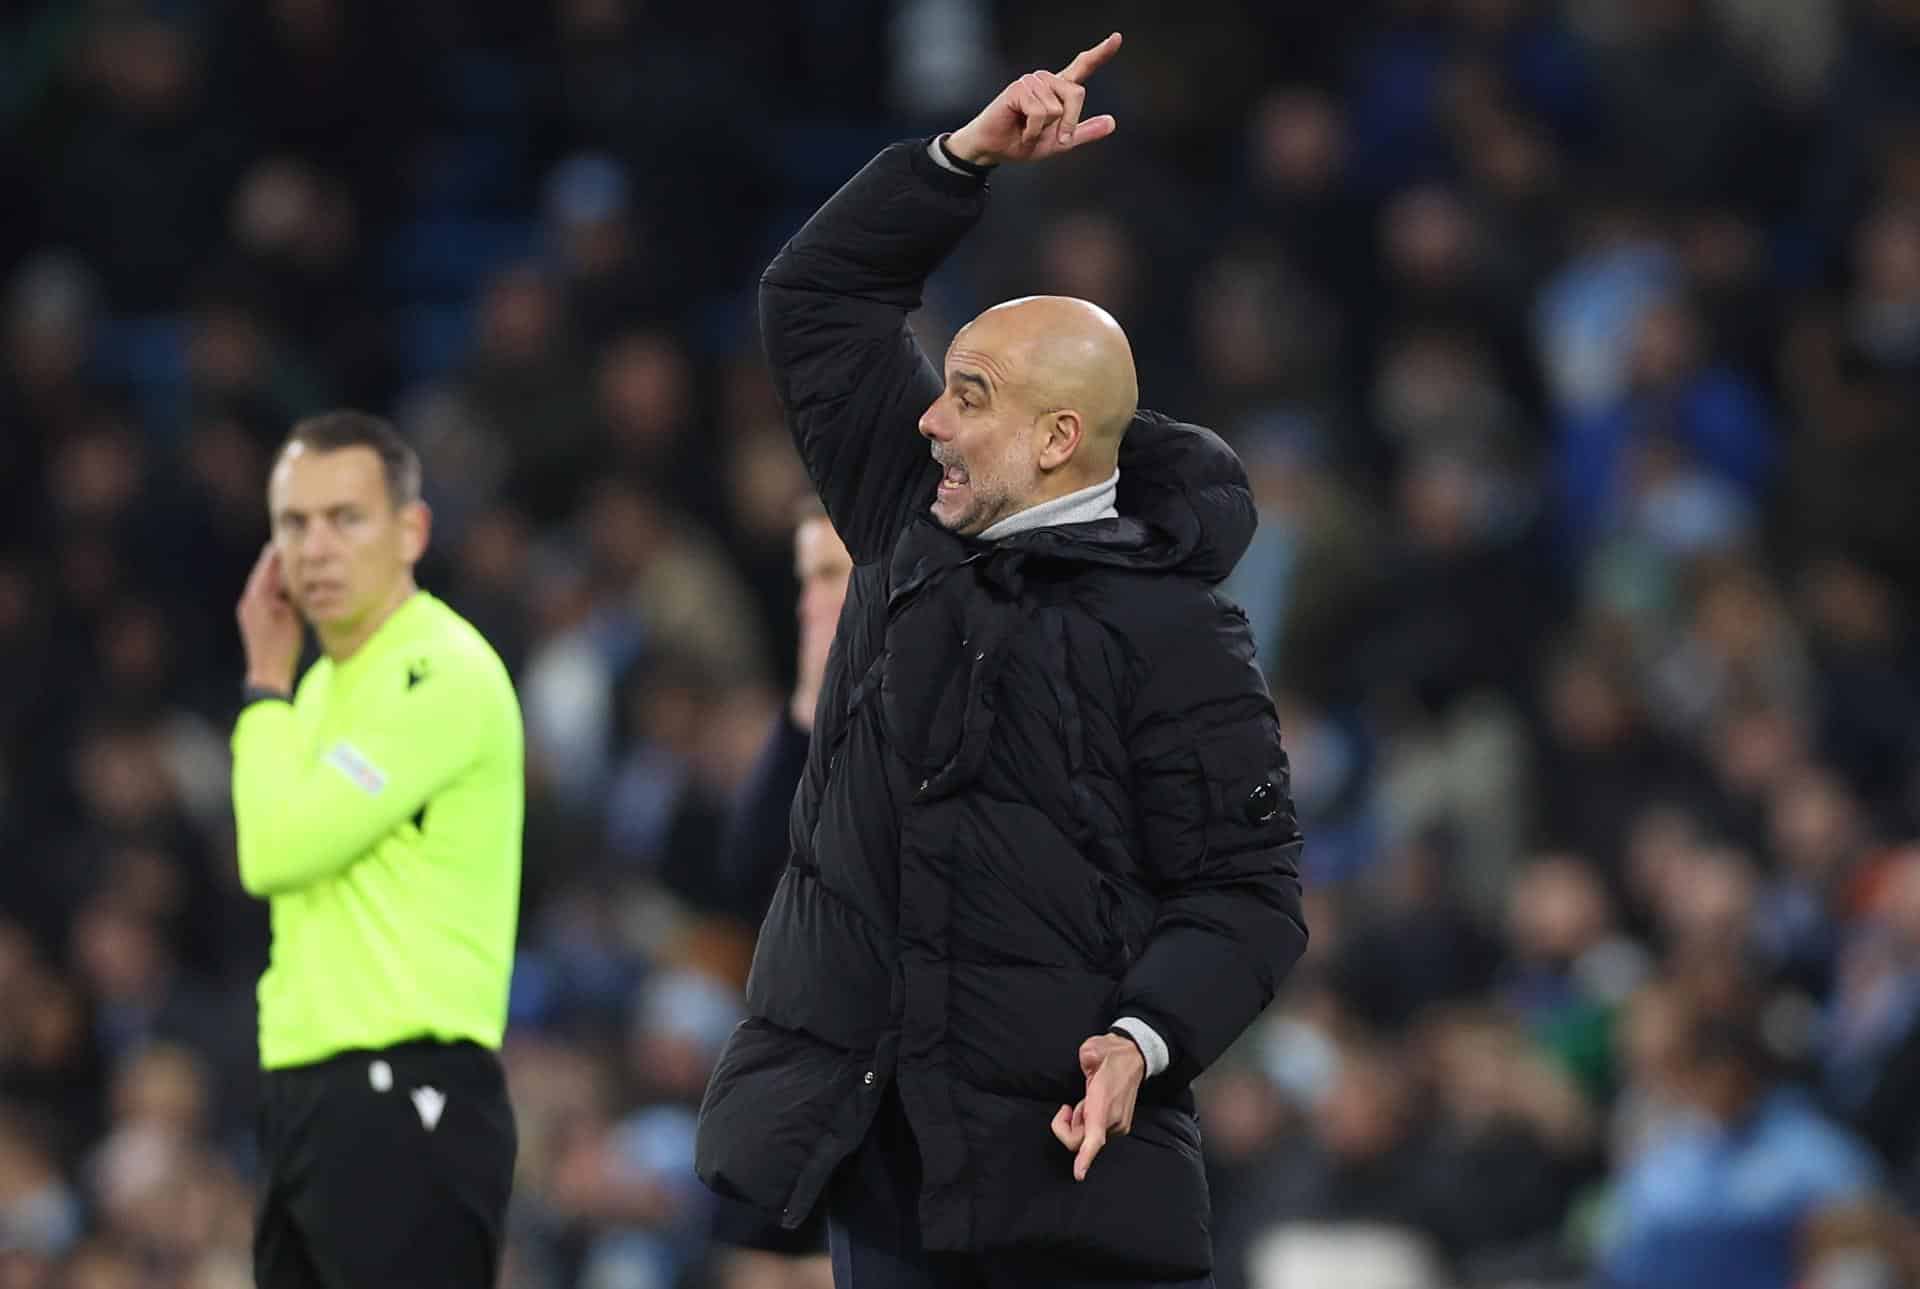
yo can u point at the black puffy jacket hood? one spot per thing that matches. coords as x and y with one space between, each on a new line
1185 506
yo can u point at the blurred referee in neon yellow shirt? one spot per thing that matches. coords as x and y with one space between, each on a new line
379 808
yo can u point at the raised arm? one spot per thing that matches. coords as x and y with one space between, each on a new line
833 318
835 301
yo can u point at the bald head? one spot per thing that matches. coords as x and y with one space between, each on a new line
1038 394
1064 354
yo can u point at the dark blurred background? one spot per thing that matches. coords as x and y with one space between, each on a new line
1574 349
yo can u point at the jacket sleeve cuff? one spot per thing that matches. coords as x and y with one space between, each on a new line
251 694
946 160
945 171
1148 1039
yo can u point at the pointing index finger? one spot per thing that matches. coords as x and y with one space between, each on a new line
1088 61
1090 1147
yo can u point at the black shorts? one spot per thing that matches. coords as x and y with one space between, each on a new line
389 1168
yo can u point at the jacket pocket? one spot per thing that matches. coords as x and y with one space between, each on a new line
767 1108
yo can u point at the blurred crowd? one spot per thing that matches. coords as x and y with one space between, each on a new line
1573 347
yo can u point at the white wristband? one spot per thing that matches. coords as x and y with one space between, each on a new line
939 155
1152 1046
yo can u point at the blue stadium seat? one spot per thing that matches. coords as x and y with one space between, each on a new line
447 259
146 359
482 87
149 354
472 172
722 323
813 158
433 338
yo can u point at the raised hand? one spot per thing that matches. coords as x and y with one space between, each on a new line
1037 116
270 630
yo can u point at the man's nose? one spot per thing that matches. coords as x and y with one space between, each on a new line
930 426
318 542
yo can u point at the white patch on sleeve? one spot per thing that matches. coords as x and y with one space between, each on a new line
366 776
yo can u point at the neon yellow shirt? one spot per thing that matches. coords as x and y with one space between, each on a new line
381 813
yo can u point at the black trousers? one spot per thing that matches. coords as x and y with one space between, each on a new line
741 1226
873 1229
389 1168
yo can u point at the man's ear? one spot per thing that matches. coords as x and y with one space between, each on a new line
416 526
1060 435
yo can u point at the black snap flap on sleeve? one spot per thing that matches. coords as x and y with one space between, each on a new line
1247 784
1262 804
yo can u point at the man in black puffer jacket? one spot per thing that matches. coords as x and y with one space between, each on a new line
1045 859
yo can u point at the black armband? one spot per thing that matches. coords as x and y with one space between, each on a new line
973 168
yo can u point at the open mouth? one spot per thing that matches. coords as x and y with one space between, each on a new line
954 479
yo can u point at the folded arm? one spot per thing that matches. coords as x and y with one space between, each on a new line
302 813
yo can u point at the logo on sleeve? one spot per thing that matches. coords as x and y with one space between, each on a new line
429 1102
366 776
1262 804
416 672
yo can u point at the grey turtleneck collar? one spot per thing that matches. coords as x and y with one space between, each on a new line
1085 506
